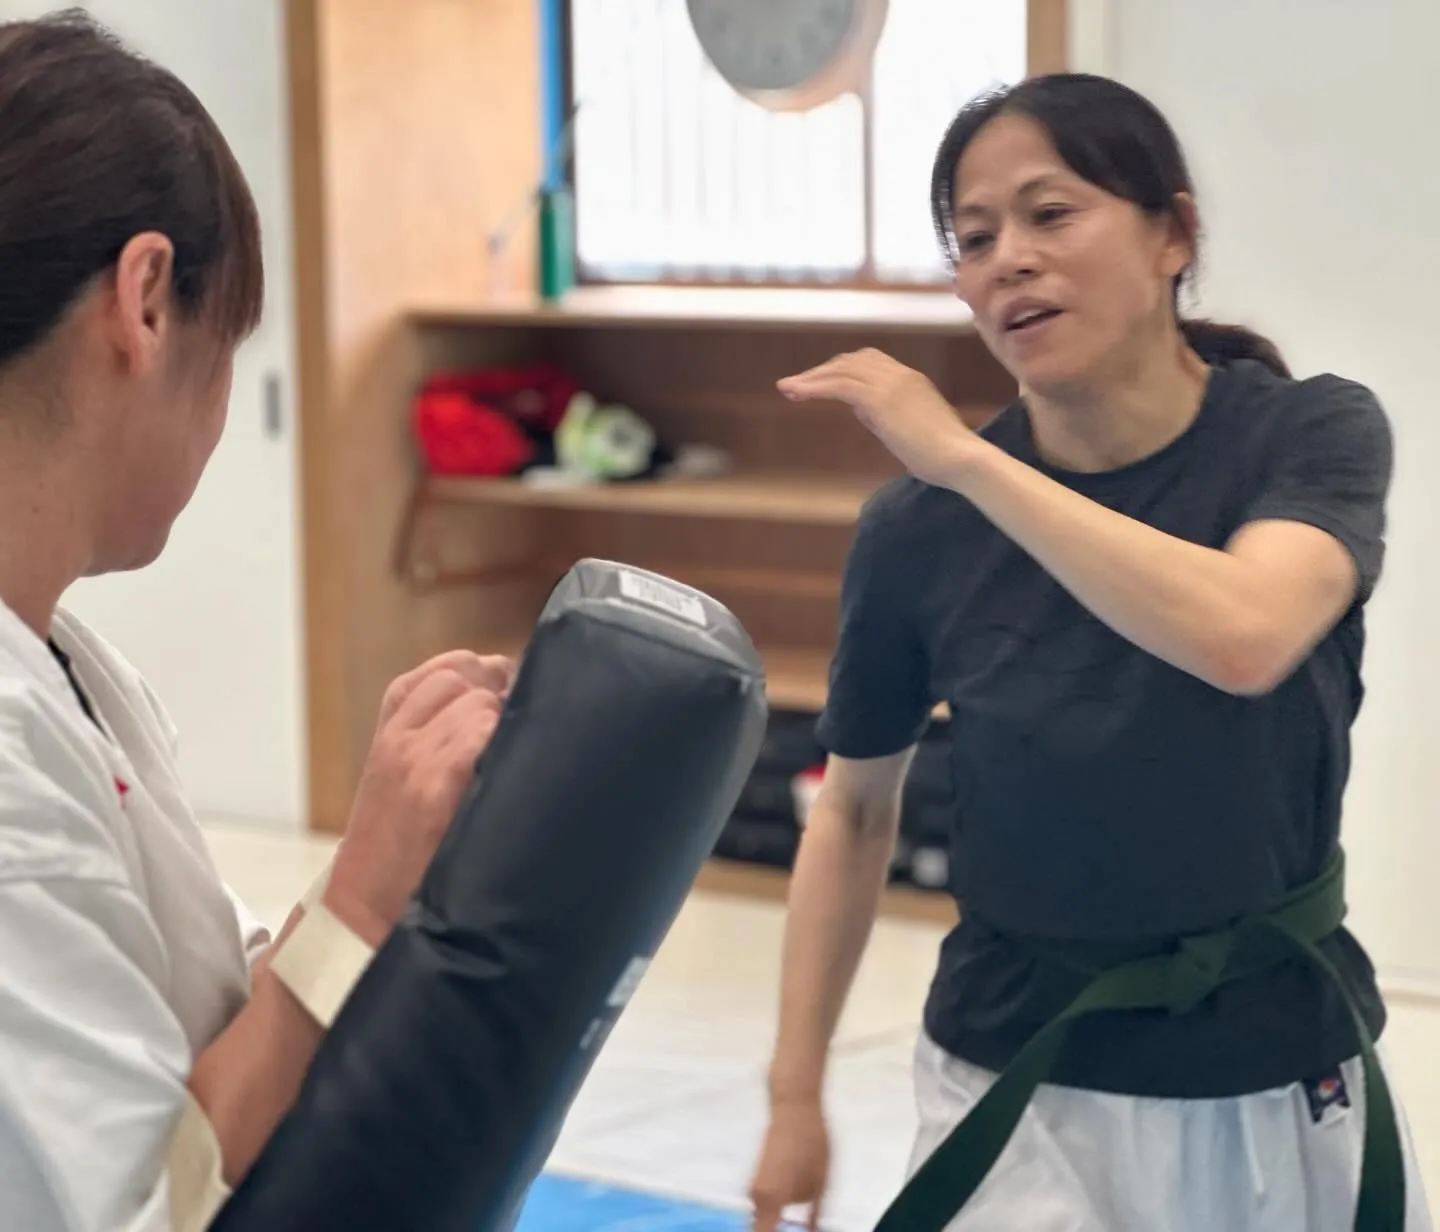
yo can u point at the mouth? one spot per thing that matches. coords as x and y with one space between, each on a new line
1029 319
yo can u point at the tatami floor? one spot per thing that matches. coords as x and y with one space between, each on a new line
675 1103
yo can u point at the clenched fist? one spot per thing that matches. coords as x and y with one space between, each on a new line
434 724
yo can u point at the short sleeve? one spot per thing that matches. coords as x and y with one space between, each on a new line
1332 470
879 696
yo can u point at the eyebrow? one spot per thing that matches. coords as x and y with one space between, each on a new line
1026 189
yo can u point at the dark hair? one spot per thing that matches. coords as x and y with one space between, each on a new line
97 145
1116 139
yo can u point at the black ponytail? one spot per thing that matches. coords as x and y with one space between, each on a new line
1116 139
1219 344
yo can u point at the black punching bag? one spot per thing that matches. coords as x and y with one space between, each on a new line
433 1103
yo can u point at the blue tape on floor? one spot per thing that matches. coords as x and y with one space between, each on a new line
561 1204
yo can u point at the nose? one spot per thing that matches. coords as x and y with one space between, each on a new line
1015 258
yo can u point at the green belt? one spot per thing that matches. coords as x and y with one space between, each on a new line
1177 981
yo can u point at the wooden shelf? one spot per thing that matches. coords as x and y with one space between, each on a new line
796 679
813 499
795 308
737 879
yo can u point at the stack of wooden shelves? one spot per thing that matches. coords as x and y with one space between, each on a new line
415 127
769 536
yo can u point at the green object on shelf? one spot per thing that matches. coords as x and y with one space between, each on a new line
603 442
557 242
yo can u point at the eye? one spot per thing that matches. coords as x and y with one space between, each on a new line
1050 215
972 242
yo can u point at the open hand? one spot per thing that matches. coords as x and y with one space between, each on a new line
897 404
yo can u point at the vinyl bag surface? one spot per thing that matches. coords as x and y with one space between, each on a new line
637 714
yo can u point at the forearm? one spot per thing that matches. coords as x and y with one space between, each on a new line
838 877
1198 608
249 1077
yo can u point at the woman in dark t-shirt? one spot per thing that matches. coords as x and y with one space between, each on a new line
1140 590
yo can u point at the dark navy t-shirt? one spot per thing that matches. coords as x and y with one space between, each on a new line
1102 794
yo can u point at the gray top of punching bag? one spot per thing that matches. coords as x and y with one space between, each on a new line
634 597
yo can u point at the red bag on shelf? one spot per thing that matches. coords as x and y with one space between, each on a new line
491 422
460 437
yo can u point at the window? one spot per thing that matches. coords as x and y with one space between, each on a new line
677 177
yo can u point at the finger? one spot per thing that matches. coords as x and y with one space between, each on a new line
487 671
456 722
835 366
462 731
766 1217
429 697
841 386
493 672
401 688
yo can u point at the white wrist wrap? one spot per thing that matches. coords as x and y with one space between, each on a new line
320 962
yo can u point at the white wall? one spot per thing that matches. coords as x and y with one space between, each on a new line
215 624
1310 125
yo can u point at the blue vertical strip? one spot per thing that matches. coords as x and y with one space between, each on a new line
552 86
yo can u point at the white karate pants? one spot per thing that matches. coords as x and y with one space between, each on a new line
1082 1161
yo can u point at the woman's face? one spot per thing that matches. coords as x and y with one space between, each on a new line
169 441
158 397
1067 283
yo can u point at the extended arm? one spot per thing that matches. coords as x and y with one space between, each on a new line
839 873
1240 618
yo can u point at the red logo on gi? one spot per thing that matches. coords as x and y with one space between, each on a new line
1329 1097
123 788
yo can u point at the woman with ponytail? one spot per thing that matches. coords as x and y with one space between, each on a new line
1140 589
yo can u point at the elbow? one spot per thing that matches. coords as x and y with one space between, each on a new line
1252 663
861 821
862 797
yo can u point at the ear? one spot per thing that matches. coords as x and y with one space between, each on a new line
1182 236
141 313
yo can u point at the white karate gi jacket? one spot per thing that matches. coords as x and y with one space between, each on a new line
122 953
